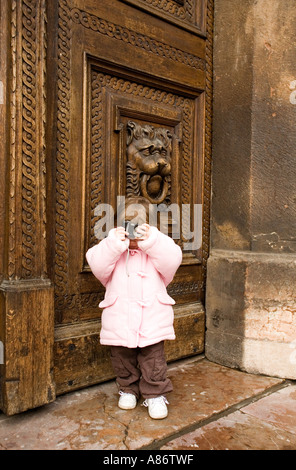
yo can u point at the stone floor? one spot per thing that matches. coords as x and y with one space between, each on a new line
212 408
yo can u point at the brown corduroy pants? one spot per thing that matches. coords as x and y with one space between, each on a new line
141 370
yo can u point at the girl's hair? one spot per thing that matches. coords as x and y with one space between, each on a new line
132 207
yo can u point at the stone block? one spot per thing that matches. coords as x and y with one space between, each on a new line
251 312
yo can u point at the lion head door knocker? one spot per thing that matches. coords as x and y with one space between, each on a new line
149 162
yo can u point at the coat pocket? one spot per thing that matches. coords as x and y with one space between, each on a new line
164 298
109 300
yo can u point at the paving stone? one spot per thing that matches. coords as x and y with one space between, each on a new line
90 418
238 431
279 409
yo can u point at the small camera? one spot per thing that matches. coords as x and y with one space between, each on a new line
132 230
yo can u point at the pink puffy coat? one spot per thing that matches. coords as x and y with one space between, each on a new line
137 311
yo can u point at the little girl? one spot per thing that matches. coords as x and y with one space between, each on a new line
137 311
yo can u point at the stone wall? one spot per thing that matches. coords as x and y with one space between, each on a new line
251 284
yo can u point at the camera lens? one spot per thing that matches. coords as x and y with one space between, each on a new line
136 234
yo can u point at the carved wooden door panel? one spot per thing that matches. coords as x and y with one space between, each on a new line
124 69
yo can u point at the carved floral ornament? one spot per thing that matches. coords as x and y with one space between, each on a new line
148 161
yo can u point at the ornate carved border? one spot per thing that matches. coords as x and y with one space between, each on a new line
181 13
27 137
171 7
13 137
136 39
63 149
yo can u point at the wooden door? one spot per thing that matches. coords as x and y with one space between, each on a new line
113 67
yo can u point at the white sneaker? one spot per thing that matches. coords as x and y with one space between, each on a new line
127 401
157 407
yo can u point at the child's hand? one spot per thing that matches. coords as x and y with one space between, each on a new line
120 233
144 231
